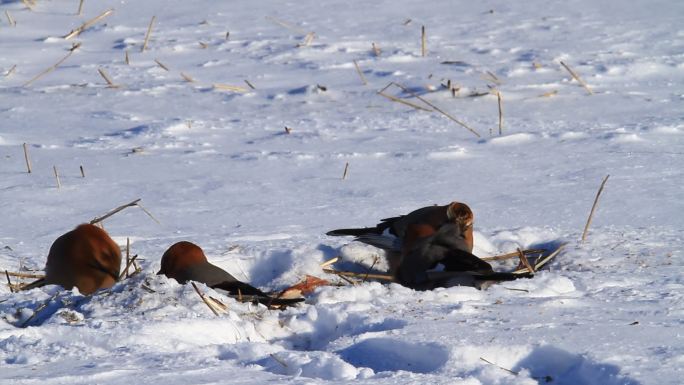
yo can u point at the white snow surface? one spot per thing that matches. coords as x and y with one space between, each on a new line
217 167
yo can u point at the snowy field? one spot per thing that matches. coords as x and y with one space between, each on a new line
213 162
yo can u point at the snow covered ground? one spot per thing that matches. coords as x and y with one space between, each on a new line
218 168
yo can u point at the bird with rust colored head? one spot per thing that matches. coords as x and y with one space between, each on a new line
423 238
86 258
185 261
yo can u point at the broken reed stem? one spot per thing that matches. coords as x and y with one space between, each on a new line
88 24
9 282
54 66
147 35
308 39
402 101
249 84
346 169
127 60
130 262
499 99
10 19
524 261
204 299
436 108
382 277
82 171
38 310
593 209
187 78
278 360
513 254
149 214
358 70
27 158
423 41
329 262
10 71
375 260
80 8
285 25
228 87
128 256
106 77
28 5
59 185
376 49
579 80
25 275
116 210
161 65
500 367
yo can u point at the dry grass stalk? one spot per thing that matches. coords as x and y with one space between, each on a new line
437 109
149 214
217 303
499 99
227 87
286 25
59 185
54 66
375 261
308 39
525 262
402 101
10 19
9 282
249 84
40 308
376 49
346 170
88 24
27 158
80 8
106 77
128 256
112 212
147 35
500 367
423 41
278 360
513 254
127 60
342 274
82 171
203 45
329 262
204 299
129 262
593 209
288 130
187 78
28 5
10 71
549 94
491 77
407 21
576 77
26 275
358 70
165 68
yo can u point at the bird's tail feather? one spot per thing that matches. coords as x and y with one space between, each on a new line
355 232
